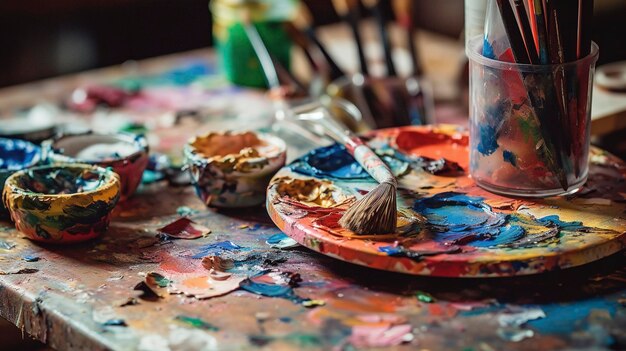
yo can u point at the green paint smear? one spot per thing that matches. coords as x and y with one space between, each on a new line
196 323
160 280
424 297
299 339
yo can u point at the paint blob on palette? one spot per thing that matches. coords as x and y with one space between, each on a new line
448 226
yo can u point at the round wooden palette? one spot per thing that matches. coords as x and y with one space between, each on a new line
448 226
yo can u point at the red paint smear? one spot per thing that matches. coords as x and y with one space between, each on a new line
184 228
442 310
176 264
434 145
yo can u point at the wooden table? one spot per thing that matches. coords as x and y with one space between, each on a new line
82 297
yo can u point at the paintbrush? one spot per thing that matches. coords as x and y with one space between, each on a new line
403 10
558 49
303 21
376 212
544 106
348 10
278 93
540 20
375 7
302 41
585 14
418 113
583 48
401 113
526 31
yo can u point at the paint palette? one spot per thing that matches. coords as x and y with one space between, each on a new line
448 226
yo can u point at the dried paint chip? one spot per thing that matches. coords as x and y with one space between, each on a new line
424 297
20 271
204 287
115 323
313 303
30 258
196 323
184 228
281 241
186 211
217 275
155 284
273 283
517 319
6 245
217 263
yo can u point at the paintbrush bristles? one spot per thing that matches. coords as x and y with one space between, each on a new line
374 213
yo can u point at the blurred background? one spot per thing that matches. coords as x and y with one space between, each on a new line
41 39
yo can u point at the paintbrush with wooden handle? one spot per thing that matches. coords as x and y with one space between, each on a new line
376 212
348 10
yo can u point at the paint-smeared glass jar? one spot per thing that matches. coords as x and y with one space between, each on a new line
237 57
529 124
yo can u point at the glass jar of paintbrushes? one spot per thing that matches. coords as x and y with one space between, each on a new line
531 76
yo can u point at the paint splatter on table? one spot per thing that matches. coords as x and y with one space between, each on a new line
80 295
85 296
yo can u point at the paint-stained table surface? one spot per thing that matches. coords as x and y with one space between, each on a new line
83 297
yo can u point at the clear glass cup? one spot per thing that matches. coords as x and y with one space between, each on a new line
529 124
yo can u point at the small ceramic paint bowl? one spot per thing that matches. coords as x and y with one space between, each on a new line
34 131
15 155
125 153
233 169
62 204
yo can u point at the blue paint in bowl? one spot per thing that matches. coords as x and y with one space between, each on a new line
15 155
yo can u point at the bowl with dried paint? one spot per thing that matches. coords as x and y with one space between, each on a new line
62 203
15 155
233 169
125 153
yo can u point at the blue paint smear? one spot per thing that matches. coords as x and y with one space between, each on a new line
276 238
566 318
400 251
509 157
17 154
554 220
488 142
458 217
332 161
488 49
31 258
335 162
271 290
216 248
455 218
506 235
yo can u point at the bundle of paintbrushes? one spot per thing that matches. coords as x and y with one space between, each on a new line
530 96
374 213
385 101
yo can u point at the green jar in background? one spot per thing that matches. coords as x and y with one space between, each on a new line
237 57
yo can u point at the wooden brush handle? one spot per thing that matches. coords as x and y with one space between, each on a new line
365 156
